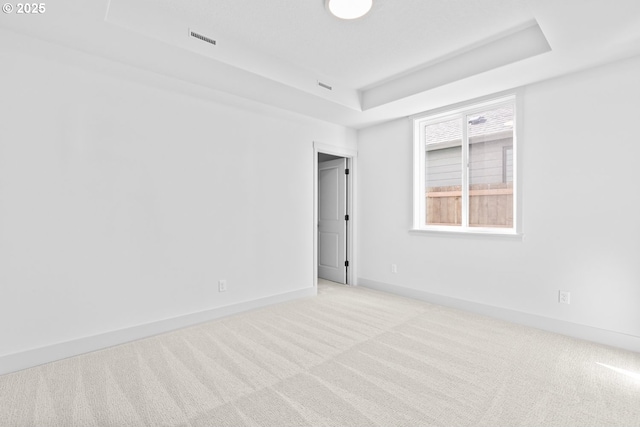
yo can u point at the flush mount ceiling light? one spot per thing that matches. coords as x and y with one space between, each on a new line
348 9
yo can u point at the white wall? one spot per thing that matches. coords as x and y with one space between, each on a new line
123 204
581 206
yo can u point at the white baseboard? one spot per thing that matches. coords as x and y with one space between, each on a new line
589 333
38 356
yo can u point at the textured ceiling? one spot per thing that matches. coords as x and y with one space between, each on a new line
397 35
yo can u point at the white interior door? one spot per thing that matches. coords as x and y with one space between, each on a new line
332 208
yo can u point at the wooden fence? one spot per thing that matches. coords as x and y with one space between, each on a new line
490 205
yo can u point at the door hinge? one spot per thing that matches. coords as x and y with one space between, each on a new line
346 171
346 217
346 263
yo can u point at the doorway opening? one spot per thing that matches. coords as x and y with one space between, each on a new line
334 230
333 218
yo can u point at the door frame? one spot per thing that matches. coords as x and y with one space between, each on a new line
351 155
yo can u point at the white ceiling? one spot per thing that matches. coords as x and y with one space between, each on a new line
405 56
394 37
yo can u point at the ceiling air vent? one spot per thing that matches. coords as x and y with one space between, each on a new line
201 37
324 85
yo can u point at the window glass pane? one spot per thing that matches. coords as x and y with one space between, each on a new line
443 173
490 136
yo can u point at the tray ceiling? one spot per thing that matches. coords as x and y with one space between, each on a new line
405 56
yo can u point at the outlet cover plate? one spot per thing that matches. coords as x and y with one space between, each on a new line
564 297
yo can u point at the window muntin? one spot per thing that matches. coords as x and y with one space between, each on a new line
465 162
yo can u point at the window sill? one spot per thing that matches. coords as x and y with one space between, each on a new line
488 234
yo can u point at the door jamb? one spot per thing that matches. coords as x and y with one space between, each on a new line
352 155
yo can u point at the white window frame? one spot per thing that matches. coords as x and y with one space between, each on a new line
419 168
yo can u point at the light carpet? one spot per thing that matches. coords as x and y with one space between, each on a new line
348 357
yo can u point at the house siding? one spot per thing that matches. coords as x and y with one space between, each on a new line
489 164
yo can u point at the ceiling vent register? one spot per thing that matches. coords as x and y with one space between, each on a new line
203 38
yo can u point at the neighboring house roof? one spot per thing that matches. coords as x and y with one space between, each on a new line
495 121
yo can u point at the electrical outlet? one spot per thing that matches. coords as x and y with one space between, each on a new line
564 297
394 268
222 286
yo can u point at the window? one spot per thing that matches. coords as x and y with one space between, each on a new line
465 163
